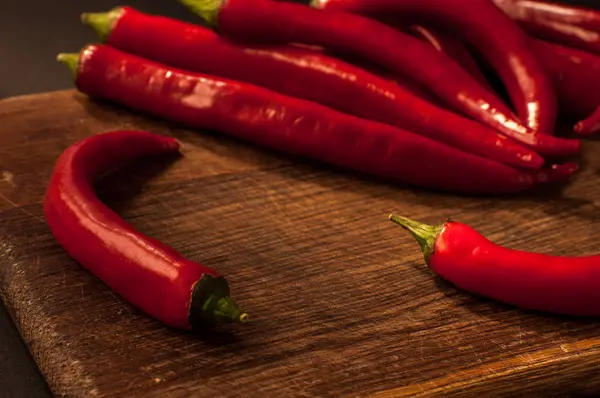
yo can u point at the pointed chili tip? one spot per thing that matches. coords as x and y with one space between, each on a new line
102 22
70 60
589 125
208 10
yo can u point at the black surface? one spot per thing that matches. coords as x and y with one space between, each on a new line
32 32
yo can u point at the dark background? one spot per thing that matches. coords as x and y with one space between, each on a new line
32 32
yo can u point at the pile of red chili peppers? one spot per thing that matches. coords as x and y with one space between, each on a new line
412 91
421 92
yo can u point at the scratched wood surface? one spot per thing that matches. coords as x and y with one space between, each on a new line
341 303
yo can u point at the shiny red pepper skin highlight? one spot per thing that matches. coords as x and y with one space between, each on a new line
294 126
145 272
462 256
558 22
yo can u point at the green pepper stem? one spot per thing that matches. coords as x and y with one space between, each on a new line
212 304
425 235
226 310
205 9
71 60
102 22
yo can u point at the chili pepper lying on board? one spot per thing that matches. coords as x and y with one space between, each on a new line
491 33
566 24
293 125
273 22
576 77
303 74
150 275
462 256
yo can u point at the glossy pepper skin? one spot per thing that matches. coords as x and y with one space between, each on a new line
316 77
569 25
294 126
527 83
145 272
575 74
589 125
462 256
453 47
198 49
264 21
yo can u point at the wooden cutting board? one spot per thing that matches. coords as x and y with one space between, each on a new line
341 303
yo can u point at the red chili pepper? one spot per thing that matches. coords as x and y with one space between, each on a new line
494 35
589 125
374 69
293 125
147 273
316 77
576 77
449 44
273 22
570 25
462 256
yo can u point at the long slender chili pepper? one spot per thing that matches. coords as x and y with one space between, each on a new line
575 74
449 44
462 256
274 22
527 83
147 273
374 69
293 125
570 25
316 77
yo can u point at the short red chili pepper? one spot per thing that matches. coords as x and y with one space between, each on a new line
293 125
316 77
528 84
148 274
281 22
569 25
575 74
462 256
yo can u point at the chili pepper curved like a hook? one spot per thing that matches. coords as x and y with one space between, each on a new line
145 272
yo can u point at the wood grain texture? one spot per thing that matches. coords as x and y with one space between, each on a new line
341 303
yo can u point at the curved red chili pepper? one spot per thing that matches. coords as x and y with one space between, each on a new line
147 273
494 35
274 22
316 77
566 24
589 125
576 77
293 125
462 256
